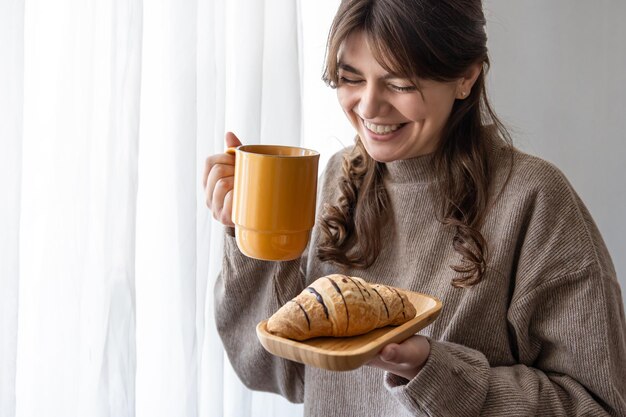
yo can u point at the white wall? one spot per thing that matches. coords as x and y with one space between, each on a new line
558 78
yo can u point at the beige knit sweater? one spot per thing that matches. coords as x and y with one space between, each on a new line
543 334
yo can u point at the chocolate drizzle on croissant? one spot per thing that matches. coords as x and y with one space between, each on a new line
338 305
401 300
357 286
319 299
306 316
383 300
344 301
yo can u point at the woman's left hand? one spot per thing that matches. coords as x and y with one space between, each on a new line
404 359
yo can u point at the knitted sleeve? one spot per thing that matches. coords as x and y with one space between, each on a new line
571 339
246 292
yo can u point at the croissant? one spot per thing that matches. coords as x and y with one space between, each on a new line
339 305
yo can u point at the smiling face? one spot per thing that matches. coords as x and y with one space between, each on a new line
393 118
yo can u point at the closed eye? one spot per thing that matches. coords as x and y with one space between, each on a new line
345 80
403 89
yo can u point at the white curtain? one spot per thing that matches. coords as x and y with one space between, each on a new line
108 254
11 102
73 336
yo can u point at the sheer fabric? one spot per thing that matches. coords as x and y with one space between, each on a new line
11 103
109 112
76 309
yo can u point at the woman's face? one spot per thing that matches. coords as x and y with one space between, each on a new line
394 120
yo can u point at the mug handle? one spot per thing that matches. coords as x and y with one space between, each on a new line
231 150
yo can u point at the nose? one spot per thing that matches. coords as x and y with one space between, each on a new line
371 103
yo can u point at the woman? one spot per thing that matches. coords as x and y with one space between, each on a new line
433 198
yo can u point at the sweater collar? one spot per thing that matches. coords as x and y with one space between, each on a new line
415 170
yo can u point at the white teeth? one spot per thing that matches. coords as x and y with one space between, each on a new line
380 129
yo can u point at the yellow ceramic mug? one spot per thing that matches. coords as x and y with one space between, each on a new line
274 200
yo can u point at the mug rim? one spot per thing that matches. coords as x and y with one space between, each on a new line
242 148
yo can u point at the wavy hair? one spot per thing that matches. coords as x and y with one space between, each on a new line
418 39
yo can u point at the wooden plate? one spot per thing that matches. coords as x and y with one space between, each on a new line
347 353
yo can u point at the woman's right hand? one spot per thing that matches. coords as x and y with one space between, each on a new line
218 181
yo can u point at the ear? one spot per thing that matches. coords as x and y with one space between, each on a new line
465 84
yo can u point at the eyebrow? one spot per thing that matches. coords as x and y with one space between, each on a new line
353 70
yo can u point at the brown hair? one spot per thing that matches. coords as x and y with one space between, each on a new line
418 39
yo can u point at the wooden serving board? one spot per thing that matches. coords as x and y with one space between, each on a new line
347 353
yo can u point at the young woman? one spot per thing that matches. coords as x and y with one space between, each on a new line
434 198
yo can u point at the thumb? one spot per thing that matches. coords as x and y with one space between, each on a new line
391 353
232 140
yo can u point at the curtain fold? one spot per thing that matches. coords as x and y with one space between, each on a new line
76 338
210 133
11 103
166 213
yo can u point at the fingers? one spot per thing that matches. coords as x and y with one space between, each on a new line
218 182
215 167
222 173
390 357
231 140
219 186
221 205
226 214
391 353
405 359
413 351
208 164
